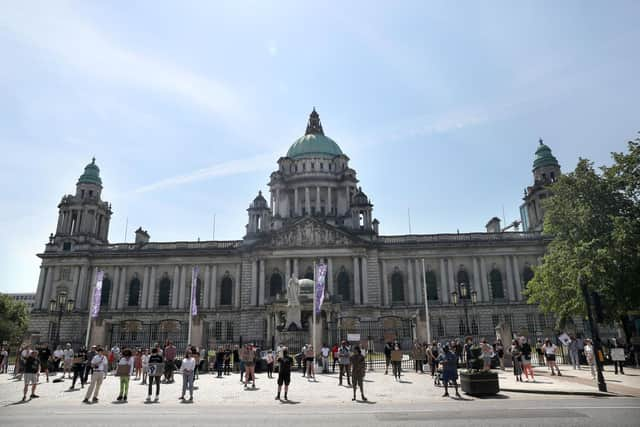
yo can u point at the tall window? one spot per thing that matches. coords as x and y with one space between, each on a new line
226 290
344 285
397 287
229 330
527 275
432 286
106 292
134 292
164 291
496 283
275 283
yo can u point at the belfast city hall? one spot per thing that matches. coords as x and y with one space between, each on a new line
316 212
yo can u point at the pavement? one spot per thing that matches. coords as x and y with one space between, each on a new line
412 401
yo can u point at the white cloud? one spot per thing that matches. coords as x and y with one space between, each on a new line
76 42
232 167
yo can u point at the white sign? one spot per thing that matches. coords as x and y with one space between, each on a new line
617 354
353 337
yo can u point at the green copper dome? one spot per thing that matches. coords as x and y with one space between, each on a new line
91 174
544 157
314 142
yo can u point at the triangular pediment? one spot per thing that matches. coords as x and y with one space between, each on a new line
310 232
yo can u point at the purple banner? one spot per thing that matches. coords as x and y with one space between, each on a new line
194 290
321 273
97 294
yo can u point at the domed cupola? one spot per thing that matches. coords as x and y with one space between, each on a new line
259 202
314 142
361 212
544 157
91 174
259 215
360 199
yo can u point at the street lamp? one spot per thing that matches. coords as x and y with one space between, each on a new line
61 305
464 296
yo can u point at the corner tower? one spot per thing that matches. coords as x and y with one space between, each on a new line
546 170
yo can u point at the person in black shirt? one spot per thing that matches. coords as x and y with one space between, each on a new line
31 369
220 361
284 373
227 361
78 367
388 347
44 355
154 374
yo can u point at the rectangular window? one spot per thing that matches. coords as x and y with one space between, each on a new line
229 331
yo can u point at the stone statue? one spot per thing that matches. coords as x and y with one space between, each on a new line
293 292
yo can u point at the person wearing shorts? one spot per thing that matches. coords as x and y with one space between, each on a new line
31 369
284 373
248 356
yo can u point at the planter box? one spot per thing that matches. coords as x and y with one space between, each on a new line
480 384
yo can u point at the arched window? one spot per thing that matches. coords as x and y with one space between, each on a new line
164 291
134 292
275 283
309 273
432 286
344 285
397 287
105 292
527 275
226 290
496 283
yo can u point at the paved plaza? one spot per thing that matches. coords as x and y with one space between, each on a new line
568 400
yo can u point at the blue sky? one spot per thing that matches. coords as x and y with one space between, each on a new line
188 105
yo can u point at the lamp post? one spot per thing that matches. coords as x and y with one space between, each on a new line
464 296
61 306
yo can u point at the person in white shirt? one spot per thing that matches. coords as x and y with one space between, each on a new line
590 356
58 355
100 366
68 360
187 367
550 354
324 352
145 365
124 371
4 360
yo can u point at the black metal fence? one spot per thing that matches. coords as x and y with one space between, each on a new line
144 335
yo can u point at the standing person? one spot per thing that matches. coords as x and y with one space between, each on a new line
324 353
115 350
449 370
539 352
499 350
31 369
467 352
334 356
145 365
4 361
618 364
573 352
309 357
344 359
58 355
138 364
44 355
125 368
155 360
418 354
550 355
487 354
236 360
589 354
432 354
248 356
68 360
88 367
78 367
100 366
270 361
284 373
388 348
516 358
170 353
228 354
303 357
358 366
220 361
526 360
396 361
188 368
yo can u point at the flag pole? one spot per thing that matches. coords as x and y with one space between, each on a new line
193 270
426 303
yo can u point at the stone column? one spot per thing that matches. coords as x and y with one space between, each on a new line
509 279
317 200
145 287
49 291
82 288
151 295
295 202
411 300
123 286
485 284
237 288
277 209
418 279
113 303
261 280
329 204
213 297
207 289
74 284
254 280
330 284
356 281
444 293
175 287
385 285
287 272
296 273
516 275
476 281
365 282
307 201
40 290
452 279
182 294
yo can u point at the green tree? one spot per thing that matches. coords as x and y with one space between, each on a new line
14 319
594 219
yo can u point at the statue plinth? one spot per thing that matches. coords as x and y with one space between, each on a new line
293 318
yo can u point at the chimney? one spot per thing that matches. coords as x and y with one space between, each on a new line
142 237
493 226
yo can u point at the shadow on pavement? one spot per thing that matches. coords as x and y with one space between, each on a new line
289 402
494 397
19 402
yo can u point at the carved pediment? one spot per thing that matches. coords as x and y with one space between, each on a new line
310 233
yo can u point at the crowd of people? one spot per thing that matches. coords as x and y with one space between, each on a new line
158 364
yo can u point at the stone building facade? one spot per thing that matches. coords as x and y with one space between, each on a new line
316 212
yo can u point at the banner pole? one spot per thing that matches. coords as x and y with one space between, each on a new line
315 278
91 297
